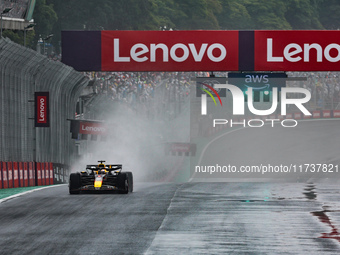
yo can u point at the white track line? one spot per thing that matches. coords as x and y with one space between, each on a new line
27 192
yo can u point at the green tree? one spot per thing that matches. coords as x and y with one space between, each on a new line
329 11
45 17
234 15
303 14
53 16
267 14
165 13
134 15
17 36
198 14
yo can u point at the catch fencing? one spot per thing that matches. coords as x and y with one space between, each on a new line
22 73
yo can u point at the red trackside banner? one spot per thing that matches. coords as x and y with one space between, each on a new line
336 113
26 174
297 50
31 166
202 50
169 51
39 177
43 179
42 115
0 175
92 128
10 174
21 174
4 175
15 175
47 174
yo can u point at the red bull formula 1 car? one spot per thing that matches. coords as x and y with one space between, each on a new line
101 177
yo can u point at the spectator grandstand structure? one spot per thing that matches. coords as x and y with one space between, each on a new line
20 15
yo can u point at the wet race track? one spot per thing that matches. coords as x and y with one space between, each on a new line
192 218
276 217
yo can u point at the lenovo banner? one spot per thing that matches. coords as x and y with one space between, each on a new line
180 148
151 50
92 128
166 51
297 50
42 115
202 50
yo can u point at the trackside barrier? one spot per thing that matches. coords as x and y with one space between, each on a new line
61 173
66 174
326 113
289 116
316 114
51 173
179 149
56 174
47 174
43 180
31 169
43 175
4 175
336 114
297 116
15 174
38 175
21 175
0 175
26 174
10 174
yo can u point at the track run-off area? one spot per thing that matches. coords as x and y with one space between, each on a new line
243 215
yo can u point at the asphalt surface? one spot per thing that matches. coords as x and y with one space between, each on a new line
190 218
257 218
53 222
276 217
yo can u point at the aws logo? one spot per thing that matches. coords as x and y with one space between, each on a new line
257 81
261 81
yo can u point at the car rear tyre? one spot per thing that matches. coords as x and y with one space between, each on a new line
123 183
130 180
74 183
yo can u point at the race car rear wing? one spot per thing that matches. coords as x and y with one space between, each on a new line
114 167
108 167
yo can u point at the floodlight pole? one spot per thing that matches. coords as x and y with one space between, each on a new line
45 39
